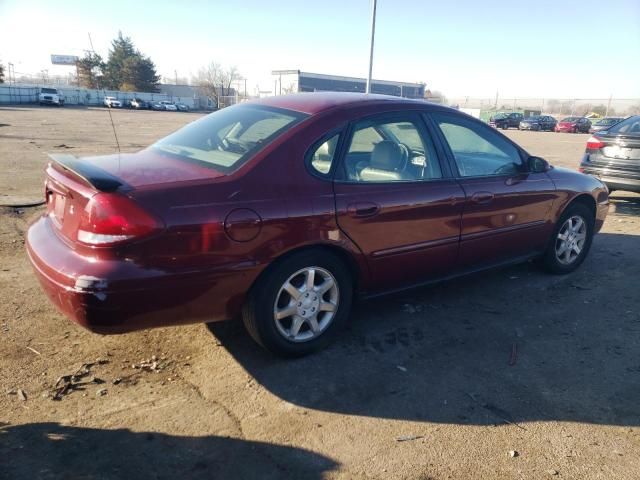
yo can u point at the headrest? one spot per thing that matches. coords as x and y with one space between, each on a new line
388 155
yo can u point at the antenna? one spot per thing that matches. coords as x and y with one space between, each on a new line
104 93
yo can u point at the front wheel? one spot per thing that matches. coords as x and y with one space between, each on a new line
571 240
298 306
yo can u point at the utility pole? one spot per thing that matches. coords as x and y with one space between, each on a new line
495 105
608 105
373 34
175 72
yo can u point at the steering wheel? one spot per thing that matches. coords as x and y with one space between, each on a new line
237 146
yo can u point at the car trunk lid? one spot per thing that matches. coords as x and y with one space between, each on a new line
72 182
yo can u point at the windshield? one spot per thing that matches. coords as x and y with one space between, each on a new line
535 118
500 116
227 138
630 126
571 119
49 90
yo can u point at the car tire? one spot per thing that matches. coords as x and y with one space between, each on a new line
566 233
270 296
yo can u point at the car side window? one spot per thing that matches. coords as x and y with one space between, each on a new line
323 155
477 151
390 151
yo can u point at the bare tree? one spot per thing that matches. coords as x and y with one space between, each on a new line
215 82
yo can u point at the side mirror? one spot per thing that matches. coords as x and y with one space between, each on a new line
538 165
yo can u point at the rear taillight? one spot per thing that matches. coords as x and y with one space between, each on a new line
111 218
594 143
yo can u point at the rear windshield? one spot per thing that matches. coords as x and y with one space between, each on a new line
630 126
533 119
49 90
571 119
225 139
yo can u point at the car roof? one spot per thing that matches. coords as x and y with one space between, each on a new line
316 102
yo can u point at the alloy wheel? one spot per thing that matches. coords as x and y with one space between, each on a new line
306 304
571 240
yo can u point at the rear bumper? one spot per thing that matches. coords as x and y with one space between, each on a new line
613 179
117 296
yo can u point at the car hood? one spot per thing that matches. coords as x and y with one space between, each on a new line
150 168
567 124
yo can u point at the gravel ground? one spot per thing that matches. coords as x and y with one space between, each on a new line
420 385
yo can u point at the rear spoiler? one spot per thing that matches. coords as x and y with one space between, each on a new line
94 176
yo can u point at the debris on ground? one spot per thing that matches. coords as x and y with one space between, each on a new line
154 364
75 381
34 350
513 453
408 438
101 393
401 368
552 472
22 395
116 381
514 355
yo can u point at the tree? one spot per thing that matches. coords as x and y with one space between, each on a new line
1 73
214 81
128 69
90 70
139 74
553 105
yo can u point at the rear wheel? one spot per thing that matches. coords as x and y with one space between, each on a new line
300 304
571 240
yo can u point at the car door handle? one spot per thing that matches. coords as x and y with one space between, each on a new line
482 198
363 209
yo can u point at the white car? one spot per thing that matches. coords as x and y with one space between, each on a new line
50 96
112 102
169 106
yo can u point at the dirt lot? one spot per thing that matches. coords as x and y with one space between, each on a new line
419 386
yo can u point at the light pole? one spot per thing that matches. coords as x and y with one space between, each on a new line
373 34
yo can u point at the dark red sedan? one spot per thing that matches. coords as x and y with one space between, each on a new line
281 210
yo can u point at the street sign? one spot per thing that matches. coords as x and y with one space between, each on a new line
64 59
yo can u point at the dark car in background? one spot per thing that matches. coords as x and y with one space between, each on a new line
538 123
280 211
573 125
604 124
506 120
613 155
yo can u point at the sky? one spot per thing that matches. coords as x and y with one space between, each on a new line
540 48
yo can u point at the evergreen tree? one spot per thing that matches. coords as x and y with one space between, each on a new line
128 69
91 69
1 73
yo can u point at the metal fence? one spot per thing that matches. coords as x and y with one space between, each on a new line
28 94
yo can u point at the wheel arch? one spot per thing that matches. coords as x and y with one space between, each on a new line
584 199
347 257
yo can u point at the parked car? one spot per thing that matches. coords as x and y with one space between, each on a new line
138 104
573 125
157 106
538 123
182 107
506 120
613 155
112 102
282 209
50 96
169 106
604 124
